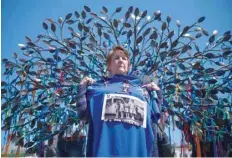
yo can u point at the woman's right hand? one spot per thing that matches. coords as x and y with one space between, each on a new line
86 81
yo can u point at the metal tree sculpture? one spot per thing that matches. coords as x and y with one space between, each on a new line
38 95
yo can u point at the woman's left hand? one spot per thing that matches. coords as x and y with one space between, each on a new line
151 87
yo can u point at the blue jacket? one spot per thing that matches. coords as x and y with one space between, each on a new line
115 132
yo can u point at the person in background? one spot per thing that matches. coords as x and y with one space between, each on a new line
68 143
71 142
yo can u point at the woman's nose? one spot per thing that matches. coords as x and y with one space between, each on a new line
120 59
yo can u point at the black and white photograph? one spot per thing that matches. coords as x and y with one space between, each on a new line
124 108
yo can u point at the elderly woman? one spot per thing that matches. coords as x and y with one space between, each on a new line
121 136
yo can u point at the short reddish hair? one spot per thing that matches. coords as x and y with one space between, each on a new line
111 53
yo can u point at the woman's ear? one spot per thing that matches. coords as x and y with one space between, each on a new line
108 68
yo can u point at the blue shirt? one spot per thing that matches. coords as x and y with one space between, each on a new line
112 133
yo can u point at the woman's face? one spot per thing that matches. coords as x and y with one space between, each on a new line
119 63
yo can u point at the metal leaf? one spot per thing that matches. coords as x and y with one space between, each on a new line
105 44
31 44
169 73
118 9
68 16
174 44
99 31
136 52
163 55
201 19
178 23
211 39
215 97
227 33
164 26
98 25
178 105
139 39
142 63
115 22
154 35
185 48
154 43
197 47
15 55
9 64
136 12
130 9
173 53
86 29
170 34
3 91
104 10
87 9
163 45
205 32
157 14
4 60
198 93
93 15
71 29
45 26
57 57
106 35
127 15
225 100
212 81
209 70
169 19
226 38
28 39
100 57
144 14
181 66
89 20
210 55
198 35
83 14
146 32
220 72
185 30
127 25
60 20
129 33
124 32
226 53
70 22
72 45
196 65
80 26
77 15
53 27
3 83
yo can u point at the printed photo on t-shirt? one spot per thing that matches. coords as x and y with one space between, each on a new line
124 108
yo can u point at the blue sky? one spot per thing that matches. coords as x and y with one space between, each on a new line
22 18
25 17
